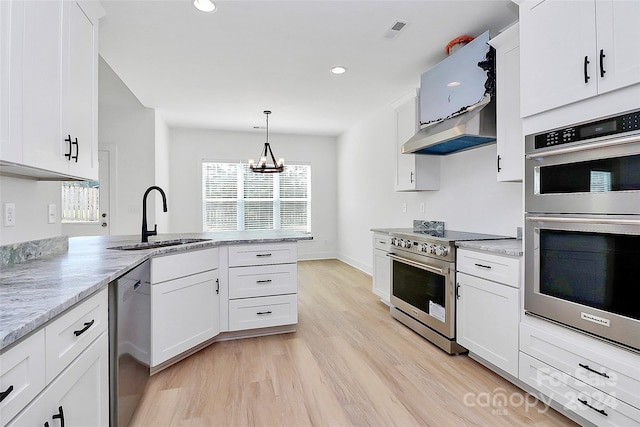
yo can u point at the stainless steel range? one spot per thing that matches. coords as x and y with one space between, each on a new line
423 282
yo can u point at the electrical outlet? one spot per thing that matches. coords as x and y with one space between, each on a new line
9 214
52 214
422 207
404 207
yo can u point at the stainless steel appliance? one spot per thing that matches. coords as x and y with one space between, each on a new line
582 228
130 342
423 283
457 102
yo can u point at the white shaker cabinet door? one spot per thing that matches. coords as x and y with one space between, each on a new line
555 38
488 321
185 312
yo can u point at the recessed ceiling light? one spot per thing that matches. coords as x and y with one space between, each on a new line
452 84
339 70
205 5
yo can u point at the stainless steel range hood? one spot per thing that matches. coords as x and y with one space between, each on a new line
475 126
457 103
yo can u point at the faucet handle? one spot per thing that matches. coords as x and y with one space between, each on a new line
154 232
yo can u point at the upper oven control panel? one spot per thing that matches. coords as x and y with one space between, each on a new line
619 124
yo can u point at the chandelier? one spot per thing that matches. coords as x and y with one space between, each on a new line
262 166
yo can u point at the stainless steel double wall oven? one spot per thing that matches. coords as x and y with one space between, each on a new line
582 228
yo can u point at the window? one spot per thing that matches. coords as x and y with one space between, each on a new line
234 198
80 201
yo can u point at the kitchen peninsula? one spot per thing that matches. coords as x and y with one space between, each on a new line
54 338
35 291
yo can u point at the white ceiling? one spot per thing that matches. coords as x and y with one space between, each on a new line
221 70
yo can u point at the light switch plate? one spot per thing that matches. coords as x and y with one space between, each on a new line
52 213
9 214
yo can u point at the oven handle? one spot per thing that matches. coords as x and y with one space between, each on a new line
584 220
417 264
585 147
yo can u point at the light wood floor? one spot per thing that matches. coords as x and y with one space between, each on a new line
348 364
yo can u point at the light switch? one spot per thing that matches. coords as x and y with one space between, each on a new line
404 207
9 214
52 213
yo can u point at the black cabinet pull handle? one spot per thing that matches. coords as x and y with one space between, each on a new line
87 325
46 424
217 286
59 415
602 56
586 76
263 281
499 168
483 266
6 393
263 255
68 139
411 178
602 374
77 150
262 313
600 411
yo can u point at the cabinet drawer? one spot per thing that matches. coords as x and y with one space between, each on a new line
382 241
67 336
488 266
599 408
262 254
169 267
263 312
262 281
22 374
617 372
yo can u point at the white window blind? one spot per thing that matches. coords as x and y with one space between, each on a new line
234 198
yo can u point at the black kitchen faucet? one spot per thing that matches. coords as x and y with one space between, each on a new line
146 233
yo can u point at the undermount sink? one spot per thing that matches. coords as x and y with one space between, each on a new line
158 244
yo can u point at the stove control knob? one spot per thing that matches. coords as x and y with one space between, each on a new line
424 248
394 241
402 243
431 249
442 251
409 243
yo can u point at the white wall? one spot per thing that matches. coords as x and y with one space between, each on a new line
469 199
125 123
189 147
32 199
162 168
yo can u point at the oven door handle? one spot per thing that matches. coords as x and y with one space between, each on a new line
584 147
417 264
607 221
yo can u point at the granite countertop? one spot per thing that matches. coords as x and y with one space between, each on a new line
35 291
511 247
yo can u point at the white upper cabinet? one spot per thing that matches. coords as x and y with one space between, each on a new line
573 50
413 171
510 138
49 73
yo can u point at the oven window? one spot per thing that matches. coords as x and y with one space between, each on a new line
417 287
594 269
595 176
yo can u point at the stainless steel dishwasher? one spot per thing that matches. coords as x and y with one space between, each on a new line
130 342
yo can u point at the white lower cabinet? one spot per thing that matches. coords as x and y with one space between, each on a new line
185 303
66 380
263 286
79 396
488 307
382 266
596 380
